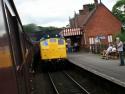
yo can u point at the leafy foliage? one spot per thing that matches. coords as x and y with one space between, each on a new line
36 32
119 10
30 28
121 35
91 6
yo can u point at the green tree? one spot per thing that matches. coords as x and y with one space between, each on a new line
36 32
121 35
91 6
30 28
119 10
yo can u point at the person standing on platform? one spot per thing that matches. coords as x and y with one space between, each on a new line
120 50
75 47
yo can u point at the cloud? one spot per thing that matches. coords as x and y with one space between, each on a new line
51 12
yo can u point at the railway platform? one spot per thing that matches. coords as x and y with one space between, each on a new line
108 69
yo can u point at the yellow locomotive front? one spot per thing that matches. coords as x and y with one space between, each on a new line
53 49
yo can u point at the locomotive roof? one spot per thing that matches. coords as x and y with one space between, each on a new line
50 37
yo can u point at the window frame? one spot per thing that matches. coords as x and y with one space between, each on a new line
61 40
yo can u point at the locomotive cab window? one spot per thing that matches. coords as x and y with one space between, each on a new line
60 41
52 40
45 43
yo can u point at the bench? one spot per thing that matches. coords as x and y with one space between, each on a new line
112 55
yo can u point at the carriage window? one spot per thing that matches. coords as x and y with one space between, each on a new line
45 43
52 40
4 45
9 8
60 41
14 36
21 36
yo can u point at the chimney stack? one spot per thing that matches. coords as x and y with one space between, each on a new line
96 2
85 10
81 12
85 7
100 1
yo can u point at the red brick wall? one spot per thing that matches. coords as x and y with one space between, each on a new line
102 22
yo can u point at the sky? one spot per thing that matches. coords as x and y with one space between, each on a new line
52 12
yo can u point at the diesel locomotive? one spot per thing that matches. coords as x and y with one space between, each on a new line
53 49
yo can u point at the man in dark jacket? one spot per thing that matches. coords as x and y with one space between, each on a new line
36 57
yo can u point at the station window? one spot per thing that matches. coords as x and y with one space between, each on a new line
91 40
109 38
60 41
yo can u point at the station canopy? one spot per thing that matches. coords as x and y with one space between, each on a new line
71 32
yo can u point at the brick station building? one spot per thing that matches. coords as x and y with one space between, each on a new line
98 25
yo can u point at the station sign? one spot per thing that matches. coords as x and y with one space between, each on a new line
100 37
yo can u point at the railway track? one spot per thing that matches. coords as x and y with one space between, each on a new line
63 83
73 80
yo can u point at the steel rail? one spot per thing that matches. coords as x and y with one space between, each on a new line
76 82
57 92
